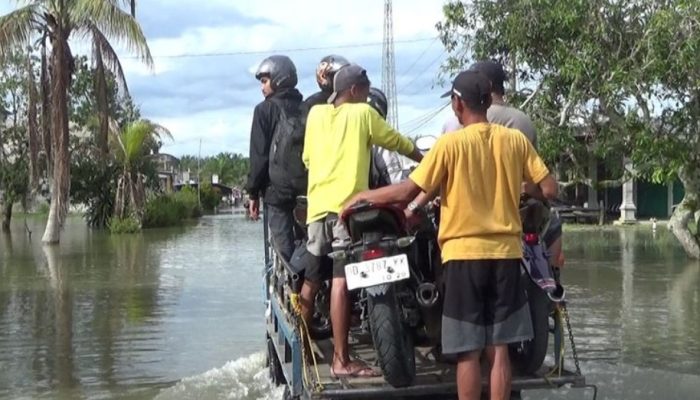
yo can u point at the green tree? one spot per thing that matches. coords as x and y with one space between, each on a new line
18 152
58 21
229 167
599 77
94 172
14 173
134 144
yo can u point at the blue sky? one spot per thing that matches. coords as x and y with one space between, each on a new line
212 98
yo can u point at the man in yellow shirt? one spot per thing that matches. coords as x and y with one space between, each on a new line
337 152
478 170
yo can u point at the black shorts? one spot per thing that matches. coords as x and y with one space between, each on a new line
314 268
485 304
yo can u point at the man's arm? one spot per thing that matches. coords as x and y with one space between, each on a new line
549 187
539 183
382 134
416 155
402 192
428 176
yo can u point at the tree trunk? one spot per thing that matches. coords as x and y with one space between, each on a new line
46 110
32 129
687 211
6 216
102 105
60 68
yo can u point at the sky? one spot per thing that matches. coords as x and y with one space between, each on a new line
211 98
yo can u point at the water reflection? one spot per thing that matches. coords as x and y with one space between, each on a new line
67 312
105 316
634 298
62 298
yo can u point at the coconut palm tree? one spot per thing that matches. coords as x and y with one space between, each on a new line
133 146
56 21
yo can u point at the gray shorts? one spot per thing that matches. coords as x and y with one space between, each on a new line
485 304
324 236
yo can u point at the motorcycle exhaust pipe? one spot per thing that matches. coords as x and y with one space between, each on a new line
558 294
427 294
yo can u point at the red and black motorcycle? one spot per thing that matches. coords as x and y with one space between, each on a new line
394 269
392 272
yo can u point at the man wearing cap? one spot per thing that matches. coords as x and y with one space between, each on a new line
478 171
337 144
503 114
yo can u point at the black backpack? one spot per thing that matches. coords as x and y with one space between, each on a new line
287 171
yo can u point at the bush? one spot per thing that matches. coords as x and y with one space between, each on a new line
187 196
43 208
211 197
94 184
123 225
171 209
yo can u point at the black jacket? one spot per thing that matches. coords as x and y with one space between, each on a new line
314 99
265 119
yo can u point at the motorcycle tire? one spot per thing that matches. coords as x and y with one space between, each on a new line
273 363
528 356
320 327
393 342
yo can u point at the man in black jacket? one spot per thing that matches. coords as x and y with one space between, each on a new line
278 77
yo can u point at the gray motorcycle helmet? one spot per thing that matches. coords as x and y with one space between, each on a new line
326 69
281 71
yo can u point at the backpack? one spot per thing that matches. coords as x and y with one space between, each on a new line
287 171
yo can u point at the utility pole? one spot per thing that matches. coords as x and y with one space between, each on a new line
199 175
389 66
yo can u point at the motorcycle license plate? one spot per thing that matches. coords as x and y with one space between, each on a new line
376 272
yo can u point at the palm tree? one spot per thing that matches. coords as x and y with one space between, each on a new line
134 145
57 21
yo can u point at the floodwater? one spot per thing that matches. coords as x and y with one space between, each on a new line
177 313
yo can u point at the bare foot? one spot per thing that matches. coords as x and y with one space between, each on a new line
352 369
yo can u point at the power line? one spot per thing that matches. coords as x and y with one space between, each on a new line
428 119
419 119
291 50
413 64
419 75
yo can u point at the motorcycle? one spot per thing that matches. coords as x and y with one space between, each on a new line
544 290
543 287
392 272
394 266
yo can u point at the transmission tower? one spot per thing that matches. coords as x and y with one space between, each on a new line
389 67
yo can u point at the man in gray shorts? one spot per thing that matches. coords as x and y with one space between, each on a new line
337 145
503 114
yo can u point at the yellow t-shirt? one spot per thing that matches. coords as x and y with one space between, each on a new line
337 153
479 170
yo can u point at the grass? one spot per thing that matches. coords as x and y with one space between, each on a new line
123 225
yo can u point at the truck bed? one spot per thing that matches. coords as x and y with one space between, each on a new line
433 378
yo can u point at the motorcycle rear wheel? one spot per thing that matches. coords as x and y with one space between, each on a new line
393 341
528 356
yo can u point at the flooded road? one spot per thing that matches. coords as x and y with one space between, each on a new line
177 313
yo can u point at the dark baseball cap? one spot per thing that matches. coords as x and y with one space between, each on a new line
351 74
493 70
471 86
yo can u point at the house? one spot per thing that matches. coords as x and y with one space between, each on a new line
168 168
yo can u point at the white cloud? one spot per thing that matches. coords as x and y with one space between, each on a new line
213 97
